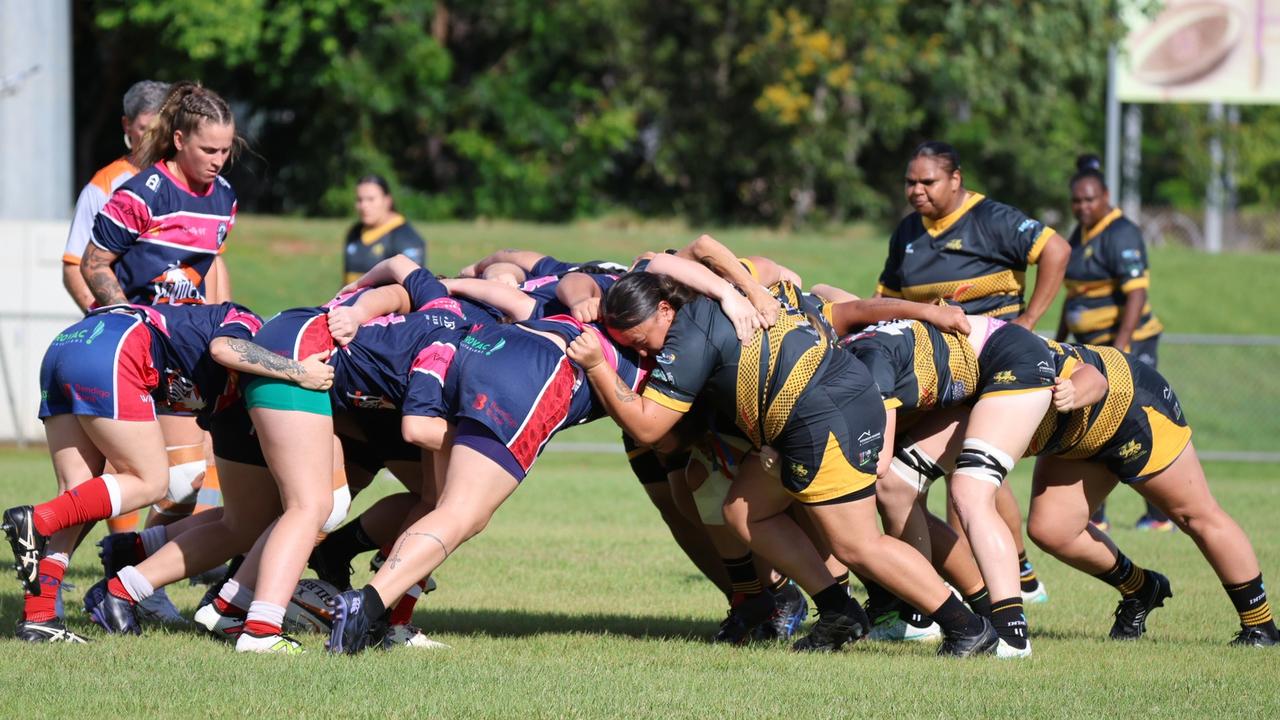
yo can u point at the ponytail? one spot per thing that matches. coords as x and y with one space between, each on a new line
187 106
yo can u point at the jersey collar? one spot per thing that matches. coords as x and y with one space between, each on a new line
941 225
163 167
377 232
1101 225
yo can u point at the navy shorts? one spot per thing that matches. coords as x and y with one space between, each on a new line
102 367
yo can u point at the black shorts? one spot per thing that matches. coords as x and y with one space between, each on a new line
1152 433
651 467
1144 351
829 448
1014 360
233 436
382 441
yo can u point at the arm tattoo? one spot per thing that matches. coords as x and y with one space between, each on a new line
100 278
622 391
264 358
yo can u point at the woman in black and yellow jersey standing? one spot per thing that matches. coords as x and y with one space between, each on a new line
786 388
380 233
1107 283
968 250
1131 429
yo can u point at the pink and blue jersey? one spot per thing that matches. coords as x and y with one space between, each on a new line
165 235
543 292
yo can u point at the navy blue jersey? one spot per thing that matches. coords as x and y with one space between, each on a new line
543 292
190 380
165 235
549 266
631 368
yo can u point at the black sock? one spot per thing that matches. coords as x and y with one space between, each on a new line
1124 576
1250 600
1027 573
1010 622
742 575
954 618
776 586
1099 516
879 599
844 580
980 602
834 598
348 541
373 602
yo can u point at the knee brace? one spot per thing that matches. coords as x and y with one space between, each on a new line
341 504
915 467
984 461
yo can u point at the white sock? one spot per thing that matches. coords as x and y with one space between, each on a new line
153 538
233 594
113 492
62 559
134 583
265 612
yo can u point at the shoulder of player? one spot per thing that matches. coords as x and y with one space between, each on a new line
1123 227
113 175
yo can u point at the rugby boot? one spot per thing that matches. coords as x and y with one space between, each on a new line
901 624
354 627
47 631
745 615
222 627
1255 636
27 543
410 636
115 615
276 644
834 629
158 608
791 610
962 645
118 551
1132 612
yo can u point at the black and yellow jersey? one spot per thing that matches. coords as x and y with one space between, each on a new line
1137 429
366 248
916 365
754 385
976 258
1108 261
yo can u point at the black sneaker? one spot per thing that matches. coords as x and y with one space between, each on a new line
47 631
792 609
834 629
1256 637
28 545
744 617
331 570
118 551
115 615
961 645
1131 613
354 629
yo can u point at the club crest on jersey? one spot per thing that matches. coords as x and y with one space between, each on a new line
222 233
954 244
1131 450
1004 377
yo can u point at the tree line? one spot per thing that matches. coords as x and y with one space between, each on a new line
752 111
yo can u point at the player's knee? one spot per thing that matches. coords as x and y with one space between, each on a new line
1050 534
983 461
341 506
185 479
913 467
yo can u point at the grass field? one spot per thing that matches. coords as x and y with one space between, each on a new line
576 603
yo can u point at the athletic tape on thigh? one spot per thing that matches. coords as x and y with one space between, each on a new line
709 496
915 467
982 460
185 480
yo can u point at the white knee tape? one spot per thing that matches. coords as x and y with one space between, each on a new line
984 461
915 467
709 498
341 505
184 482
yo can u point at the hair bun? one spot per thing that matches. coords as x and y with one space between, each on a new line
1088 161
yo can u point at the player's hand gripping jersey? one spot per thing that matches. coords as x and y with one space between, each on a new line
165 235
976 258
1107 262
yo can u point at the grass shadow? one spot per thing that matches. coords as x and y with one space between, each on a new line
526 623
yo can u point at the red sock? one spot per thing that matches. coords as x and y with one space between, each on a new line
260 628
115 587
44 606
402 613
225 608
85 503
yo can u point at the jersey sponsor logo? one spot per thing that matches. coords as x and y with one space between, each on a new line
181 392
867 457
1131 450
153 182
367 401
475 345
954 244
910 250
179 283
663 375
666 358
86 392
1004 377
1027 225
385 320
868 437
434 360
493 411
83 335
446 304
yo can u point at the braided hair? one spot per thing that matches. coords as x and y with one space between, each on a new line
188 105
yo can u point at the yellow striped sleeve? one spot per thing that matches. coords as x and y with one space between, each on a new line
1138 283
751 268
886 292
1017 391
1038 246
892 403
667 402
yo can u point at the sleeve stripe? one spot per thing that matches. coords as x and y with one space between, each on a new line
1138 283
1038 246
892 403
670 403
887 292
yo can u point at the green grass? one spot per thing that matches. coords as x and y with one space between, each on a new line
575 603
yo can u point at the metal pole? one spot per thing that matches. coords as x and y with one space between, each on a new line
1113 126
1131 203
1216 192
